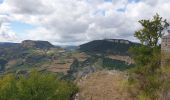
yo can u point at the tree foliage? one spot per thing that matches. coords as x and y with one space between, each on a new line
152 30
36 86
148 58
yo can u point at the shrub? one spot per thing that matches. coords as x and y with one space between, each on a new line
147 73
36 86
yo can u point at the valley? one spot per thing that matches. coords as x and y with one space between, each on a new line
84 50
99 73
44 56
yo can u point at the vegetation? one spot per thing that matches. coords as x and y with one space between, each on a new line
115 46
152 31
147 73
35 86
2 64
165 89
115 64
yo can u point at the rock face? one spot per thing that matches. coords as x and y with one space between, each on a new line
92 64
109 46
36 44
80 69
165 45
165 48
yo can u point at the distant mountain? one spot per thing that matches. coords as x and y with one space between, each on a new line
47 57
8 44
36 44
12 50
27 53
20 50
107 46
27 44
70 48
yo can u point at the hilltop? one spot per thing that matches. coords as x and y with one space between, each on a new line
36 44
107 46
27 44
27 54
102 54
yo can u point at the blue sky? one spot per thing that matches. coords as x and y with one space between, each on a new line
20 28
108 0
133 1
1 1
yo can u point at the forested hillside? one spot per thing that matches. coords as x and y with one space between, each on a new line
108 46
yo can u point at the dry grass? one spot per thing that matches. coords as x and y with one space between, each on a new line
63 65
104 85
80 56
58 67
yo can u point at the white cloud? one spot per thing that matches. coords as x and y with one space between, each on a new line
78 21
6 34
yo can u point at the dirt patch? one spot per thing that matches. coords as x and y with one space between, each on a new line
103 85
80 56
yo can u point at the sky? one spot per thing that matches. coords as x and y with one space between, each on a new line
73 22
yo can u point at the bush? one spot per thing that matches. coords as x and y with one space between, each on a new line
165 89
147 73
36 86
116 64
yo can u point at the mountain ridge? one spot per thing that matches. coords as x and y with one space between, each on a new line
44 55
108 46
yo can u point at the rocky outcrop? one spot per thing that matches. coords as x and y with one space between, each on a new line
92 64
36 44
80 69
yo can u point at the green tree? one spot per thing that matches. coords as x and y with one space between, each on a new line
152 30
36 86
147 57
